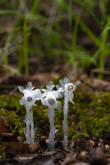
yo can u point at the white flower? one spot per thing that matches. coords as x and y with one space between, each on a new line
49 97
67 85
30 95
49 87
67 88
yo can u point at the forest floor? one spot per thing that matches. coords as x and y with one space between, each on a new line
82 150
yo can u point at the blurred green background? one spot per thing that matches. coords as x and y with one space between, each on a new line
43 32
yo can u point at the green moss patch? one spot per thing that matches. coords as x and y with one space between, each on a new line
89 116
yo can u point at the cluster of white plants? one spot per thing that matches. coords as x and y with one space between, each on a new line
48 98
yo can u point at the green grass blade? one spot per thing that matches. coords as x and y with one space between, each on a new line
90 33
4 12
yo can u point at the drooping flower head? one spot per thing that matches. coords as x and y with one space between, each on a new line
67 88
49 96
30 95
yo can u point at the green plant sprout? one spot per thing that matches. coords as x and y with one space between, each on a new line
28 100
48 99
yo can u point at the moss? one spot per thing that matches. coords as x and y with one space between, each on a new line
90 113
89 116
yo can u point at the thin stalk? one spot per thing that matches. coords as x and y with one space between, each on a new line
90 33
8 43
74 39
104 47
5 53
26 30
32 127
29 129
25 36
52 129
35 6
65 122
70 14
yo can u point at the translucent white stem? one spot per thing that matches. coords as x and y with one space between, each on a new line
29 129
52 129
65 122
32 128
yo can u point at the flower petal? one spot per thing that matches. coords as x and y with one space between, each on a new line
72 102
70 97
50 85
37 94
66 80
21 89
22 101
58 86
58 93
29 86
74 84
43 101
61 83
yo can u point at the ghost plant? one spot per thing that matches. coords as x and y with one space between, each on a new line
48 99
67 88
28 100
